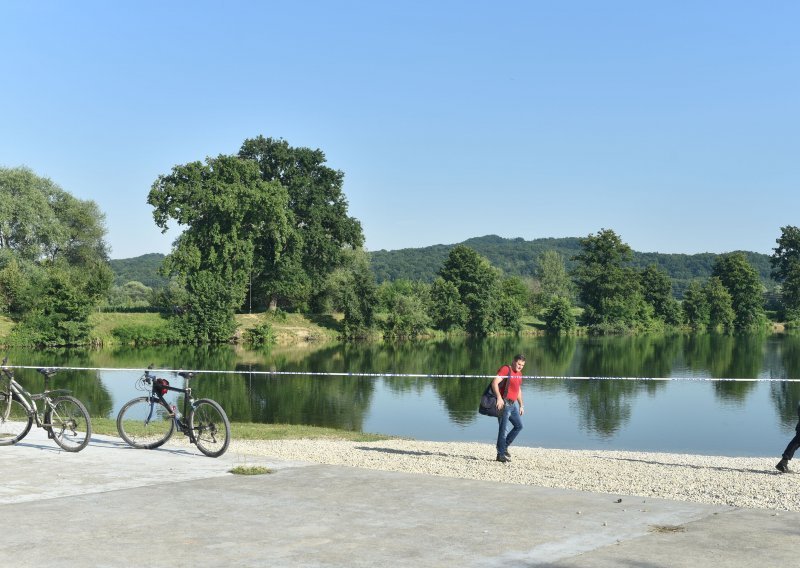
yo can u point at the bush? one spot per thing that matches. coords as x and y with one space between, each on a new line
262 334
558 316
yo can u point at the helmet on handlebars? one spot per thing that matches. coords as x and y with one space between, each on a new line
160 386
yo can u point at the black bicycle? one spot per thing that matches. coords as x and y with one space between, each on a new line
64 417
147 422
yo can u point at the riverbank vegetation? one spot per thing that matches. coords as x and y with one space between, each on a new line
269 254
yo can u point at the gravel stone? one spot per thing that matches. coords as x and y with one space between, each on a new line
737 482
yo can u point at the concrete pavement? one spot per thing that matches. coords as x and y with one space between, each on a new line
111 505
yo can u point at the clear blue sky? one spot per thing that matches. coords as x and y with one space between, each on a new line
676 124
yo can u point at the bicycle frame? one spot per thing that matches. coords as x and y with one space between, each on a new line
188 401
28 400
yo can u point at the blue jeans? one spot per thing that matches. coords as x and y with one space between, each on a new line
510 414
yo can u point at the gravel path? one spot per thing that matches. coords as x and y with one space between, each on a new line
739 482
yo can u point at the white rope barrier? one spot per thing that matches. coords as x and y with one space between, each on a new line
409 375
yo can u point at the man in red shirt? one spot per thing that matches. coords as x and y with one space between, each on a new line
507 387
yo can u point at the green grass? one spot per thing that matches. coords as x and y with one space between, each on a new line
250 470
254 431
5 326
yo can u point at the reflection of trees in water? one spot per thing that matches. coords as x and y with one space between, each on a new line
727 356
603 405
86 386
786 396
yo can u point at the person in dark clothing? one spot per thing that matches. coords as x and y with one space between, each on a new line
788 453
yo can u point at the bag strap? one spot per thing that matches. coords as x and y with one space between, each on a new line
508 380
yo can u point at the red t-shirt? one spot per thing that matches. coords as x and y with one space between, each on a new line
514 386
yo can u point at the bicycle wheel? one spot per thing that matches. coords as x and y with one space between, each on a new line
145 423
15 421
68 421
210 426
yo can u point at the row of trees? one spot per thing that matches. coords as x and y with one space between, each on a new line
270 226
53 259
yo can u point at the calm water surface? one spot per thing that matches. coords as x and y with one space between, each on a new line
688 416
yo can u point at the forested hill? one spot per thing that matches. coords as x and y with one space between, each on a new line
515 257
518 257
142 269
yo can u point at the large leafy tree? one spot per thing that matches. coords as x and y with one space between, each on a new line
785 263
745 287
657 291
478 285
553 277
53 259
236 225
609 288
317 202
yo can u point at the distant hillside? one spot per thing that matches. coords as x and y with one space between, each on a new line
515 257
142 269
518 257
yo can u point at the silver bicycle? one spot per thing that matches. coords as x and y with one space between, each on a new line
64 417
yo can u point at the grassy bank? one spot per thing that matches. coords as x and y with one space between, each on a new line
253 431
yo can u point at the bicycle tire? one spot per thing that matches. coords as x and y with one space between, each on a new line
15 420
210 426
148 435
69 423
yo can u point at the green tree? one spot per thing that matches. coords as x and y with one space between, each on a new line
608 287
478 285
745 287
695 306
720 304
53 259
236 225
558 316
785 261
317 203
407 317
553 278
657 291
446 309
351 289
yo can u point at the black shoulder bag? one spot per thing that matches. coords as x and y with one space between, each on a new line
488 405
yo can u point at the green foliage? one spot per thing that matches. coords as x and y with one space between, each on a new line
351 289
447 311
720 305
478 285
695 306
785 263
262 334
407 319
236 224
129 295
745 288
518 257
514 288
58 309
53 260
657 291
553 278
145 269
142 334
319 216
558 316
608 287
509 314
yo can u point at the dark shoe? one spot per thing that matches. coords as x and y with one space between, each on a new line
502 458
782 466
508 456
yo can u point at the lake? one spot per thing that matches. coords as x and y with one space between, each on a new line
688 412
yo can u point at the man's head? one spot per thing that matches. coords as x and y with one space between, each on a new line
519 362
